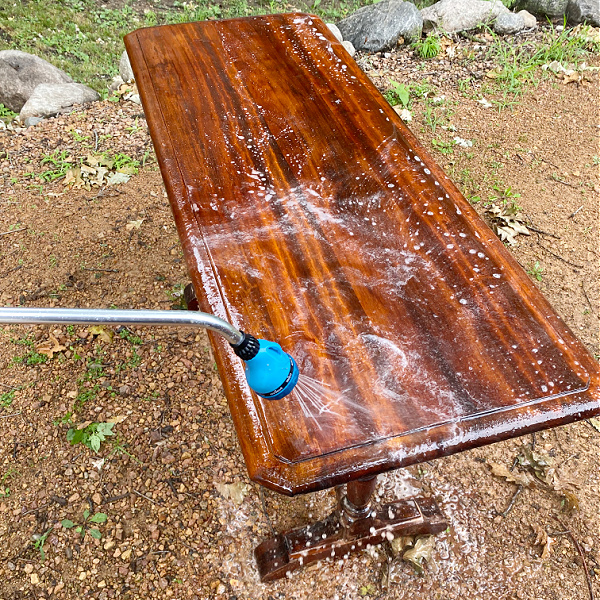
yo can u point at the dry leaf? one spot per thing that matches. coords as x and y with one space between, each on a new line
523 479
104 334
131 225
595 423
50 347
401 543
116 420
117 178
539 462
544 540
570 501
99 160
507 223
495 73
420 552
236 491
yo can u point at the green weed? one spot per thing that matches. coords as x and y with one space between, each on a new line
398 94
84 396
4 489
6 114
6 399
91 436
59 165
31 359
125 334
536 271
39 542
443 147
125 164
177 297
507 197
84 528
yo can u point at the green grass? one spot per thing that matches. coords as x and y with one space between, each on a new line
428 47
518 65
85 39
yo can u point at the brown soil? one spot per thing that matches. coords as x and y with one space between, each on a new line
170 530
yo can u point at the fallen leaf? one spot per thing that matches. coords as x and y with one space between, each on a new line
570 501
103 334
116 420
100 173
127 170
574 78
50 347
498 470
73 178
540 463
595 423
421 552
404 113
117 178
507 222
544 540
367 590
495 73
234 491
86 170
401 543
131 225
99 160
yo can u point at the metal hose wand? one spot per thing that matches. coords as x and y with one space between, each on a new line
271 372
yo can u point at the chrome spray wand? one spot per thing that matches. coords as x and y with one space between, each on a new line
271 372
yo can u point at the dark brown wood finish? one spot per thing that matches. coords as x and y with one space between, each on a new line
341 533
310 215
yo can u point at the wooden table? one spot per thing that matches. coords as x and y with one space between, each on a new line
310 215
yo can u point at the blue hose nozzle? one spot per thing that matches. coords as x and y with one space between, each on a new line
271 372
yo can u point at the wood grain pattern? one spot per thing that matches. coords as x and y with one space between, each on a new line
310 215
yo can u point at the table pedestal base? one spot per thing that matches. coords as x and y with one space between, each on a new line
351 527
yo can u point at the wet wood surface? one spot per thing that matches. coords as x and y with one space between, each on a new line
311 216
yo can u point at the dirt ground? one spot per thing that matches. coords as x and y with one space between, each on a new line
182 517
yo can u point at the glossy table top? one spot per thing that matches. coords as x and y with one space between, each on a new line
310 215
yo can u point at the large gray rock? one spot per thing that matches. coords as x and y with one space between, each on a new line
379 26
125 70
50 98
21 73
550 8
584 11
461 15
509 23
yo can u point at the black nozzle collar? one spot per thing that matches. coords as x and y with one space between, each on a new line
247 348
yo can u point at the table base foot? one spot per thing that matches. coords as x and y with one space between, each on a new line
330 538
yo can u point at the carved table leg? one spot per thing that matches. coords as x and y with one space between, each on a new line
351 527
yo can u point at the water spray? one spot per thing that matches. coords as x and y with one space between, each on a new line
271 372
